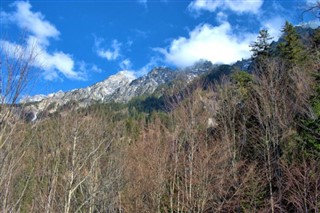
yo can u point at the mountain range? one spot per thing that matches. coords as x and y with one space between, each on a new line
124 86
119 88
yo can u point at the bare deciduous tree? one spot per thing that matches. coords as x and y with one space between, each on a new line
279 94
16 65
302 186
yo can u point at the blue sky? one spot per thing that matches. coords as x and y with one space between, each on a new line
82 42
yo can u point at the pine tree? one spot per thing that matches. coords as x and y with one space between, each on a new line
261 51
261 48
316 39
310 127
291 48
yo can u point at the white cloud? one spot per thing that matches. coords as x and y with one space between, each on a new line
52 64
221 17
84 67
125 64
109 54
39 31
13 50
95 68
210 5
216 44
274 26
313 24
33 22
128 74
244 6
62 62
154 61
312 2
251 6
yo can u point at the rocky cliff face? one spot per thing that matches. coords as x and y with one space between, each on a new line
144 85
99 92
121 88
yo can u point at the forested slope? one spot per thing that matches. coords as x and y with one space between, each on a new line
242 142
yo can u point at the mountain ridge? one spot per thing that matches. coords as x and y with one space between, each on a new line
123 86
120 87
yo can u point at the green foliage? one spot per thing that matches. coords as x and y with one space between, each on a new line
242 78
105 108
146 104
255 194
261 48
261 51
316 38
133 128
310 127
215 75
144 144
243 81
310 135
291 48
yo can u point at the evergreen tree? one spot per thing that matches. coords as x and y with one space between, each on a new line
291 48
261 48
310 127
243 82
316 39
261 51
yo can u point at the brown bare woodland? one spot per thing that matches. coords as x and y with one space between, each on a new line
231 147
87 161
15 68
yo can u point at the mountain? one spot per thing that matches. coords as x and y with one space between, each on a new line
124 86
121 88
99 92
143 85
156 77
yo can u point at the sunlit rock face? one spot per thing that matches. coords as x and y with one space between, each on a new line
121 87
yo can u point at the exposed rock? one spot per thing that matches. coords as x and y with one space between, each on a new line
121 87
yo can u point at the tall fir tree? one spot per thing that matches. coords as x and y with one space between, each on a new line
291 48
261 48
310 131
316 39
310 127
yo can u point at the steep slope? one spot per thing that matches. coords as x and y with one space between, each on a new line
98 92
121 87
144 85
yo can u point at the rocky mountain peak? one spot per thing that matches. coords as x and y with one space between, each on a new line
120 76
120 87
